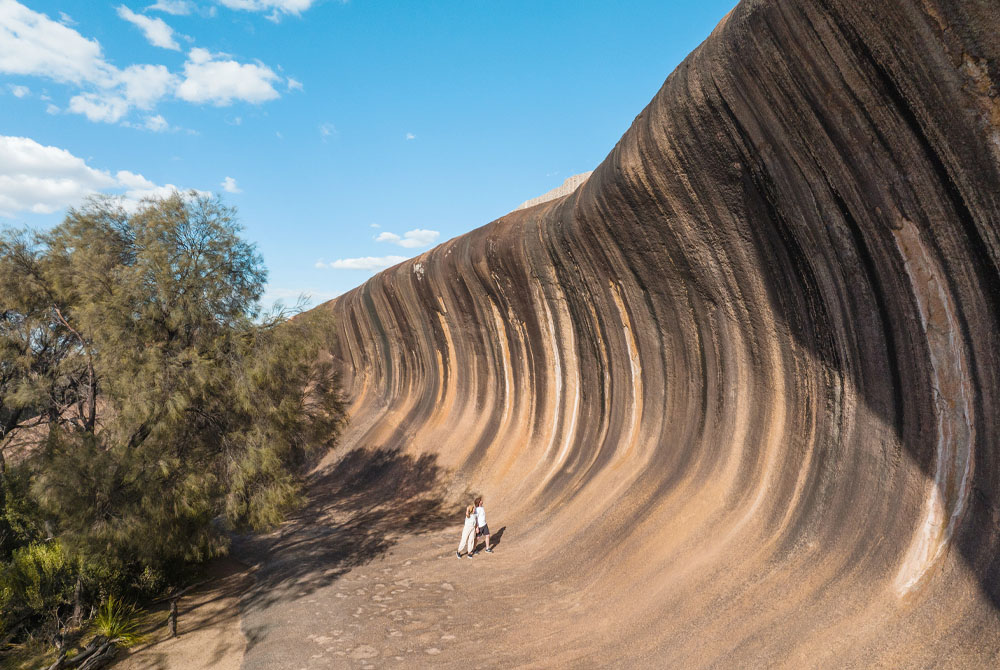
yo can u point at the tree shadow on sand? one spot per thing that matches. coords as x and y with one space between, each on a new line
356 511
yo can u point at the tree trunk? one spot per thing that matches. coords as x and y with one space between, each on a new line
92 388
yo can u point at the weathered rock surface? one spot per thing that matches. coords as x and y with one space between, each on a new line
567 187
736 397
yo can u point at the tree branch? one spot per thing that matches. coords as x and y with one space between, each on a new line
91 418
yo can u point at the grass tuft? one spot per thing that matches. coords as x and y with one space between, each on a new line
119 622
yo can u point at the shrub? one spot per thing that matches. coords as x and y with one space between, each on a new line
36 585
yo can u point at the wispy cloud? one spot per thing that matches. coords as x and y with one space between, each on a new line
174 7
19 91
410 136
294 84
156 123
370 263
411 239
326 130
156 30
229 185
276 7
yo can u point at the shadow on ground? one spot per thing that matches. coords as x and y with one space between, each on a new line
356 511
494 541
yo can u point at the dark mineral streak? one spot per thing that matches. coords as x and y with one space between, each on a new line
740 389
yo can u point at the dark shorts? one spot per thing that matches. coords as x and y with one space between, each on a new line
484 530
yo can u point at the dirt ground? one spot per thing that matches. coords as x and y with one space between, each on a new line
208 627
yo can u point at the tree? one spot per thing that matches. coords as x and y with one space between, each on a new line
144 389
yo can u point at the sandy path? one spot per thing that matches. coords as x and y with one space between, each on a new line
414 605
208 629
366 577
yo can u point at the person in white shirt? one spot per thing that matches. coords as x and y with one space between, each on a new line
468 533
482 529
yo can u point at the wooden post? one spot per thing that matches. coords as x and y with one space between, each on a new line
172 620
173 598
77 618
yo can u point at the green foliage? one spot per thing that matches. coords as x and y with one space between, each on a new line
20 522
119 622
35 583
144 394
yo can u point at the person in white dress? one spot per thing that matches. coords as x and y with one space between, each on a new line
468 533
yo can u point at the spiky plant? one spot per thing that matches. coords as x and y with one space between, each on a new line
119 622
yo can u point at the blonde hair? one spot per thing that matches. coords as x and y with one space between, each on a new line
469 510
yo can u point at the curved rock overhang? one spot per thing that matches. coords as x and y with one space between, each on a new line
740 389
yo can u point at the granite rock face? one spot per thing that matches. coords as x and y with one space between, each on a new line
567 187
740 391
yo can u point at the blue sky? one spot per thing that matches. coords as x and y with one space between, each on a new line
336 128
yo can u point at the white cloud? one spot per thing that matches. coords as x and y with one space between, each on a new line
156 123
44 179
175 7
156 30
410 239
212 78
66 18
19 91
374 225
274 6
52 109
99 107
141 86
294 84
364 263
327 129
411 136
229 185
133 181
33 44
145 85
138 188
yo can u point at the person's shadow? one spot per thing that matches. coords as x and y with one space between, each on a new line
494 540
